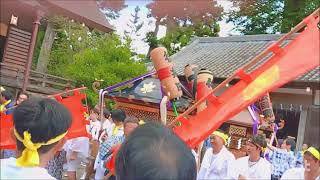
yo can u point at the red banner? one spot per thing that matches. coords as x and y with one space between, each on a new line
72 103
298 57
78 111
6 139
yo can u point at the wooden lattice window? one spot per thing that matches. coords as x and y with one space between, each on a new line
237 131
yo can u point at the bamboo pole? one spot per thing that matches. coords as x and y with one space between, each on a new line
68 91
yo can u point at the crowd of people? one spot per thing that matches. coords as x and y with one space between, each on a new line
124 147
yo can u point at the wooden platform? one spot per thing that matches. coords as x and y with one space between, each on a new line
13 76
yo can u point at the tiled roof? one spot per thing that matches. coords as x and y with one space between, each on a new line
224 55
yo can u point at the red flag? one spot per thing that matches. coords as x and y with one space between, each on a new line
298 57
72 103
6 139
78 111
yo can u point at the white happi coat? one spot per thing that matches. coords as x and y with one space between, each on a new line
295 173
259 170
216 166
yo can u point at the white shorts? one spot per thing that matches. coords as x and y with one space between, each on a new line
98 166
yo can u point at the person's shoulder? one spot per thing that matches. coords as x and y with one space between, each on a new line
230 155
39 173
293 173
209 151
9 170
115 138
264 161
7 162
242 159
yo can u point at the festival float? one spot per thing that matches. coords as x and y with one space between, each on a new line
194 110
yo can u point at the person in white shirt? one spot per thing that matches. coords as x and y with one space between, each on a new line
311 170
94 129
253 166
107 126
217 160
95 125
40 126
118 116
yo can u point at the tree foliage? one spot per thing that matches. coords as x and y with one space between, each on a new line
173 13
269 16
84 55
133 30
181 36
111 8
183 19
135 24
295 10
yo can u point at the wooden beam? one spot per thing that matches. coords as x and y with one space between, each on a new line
301 128
31 50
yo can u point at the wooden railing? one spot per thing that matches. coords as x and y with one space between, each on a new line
13 76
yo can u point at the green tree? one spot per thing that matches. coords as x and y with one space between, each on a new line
134 29
84 55
182 13
179 37
295 10
269 16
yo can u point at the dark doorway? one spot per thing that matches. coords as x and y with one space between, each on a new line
289 120
2 45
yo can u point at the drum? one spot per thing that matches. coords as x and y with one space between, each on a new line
204 86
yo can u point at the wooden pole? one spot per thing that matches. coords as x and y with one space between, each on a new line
68 91
31 50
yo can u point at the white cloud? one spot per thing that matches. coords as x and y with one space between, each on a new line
162 31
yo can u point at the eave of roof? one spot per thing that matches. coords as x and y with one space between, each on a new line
83 11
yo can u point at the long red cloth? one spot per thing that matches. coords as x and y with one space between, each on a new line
298 57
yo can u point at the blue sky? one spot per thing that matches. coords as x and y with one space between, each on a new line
141 47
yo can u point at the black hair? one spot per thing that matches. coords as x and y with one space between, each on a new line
259 140
152 152
291 142
118 115
22 93
95 110
106 113
7 95
43 118
131 119
222 131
